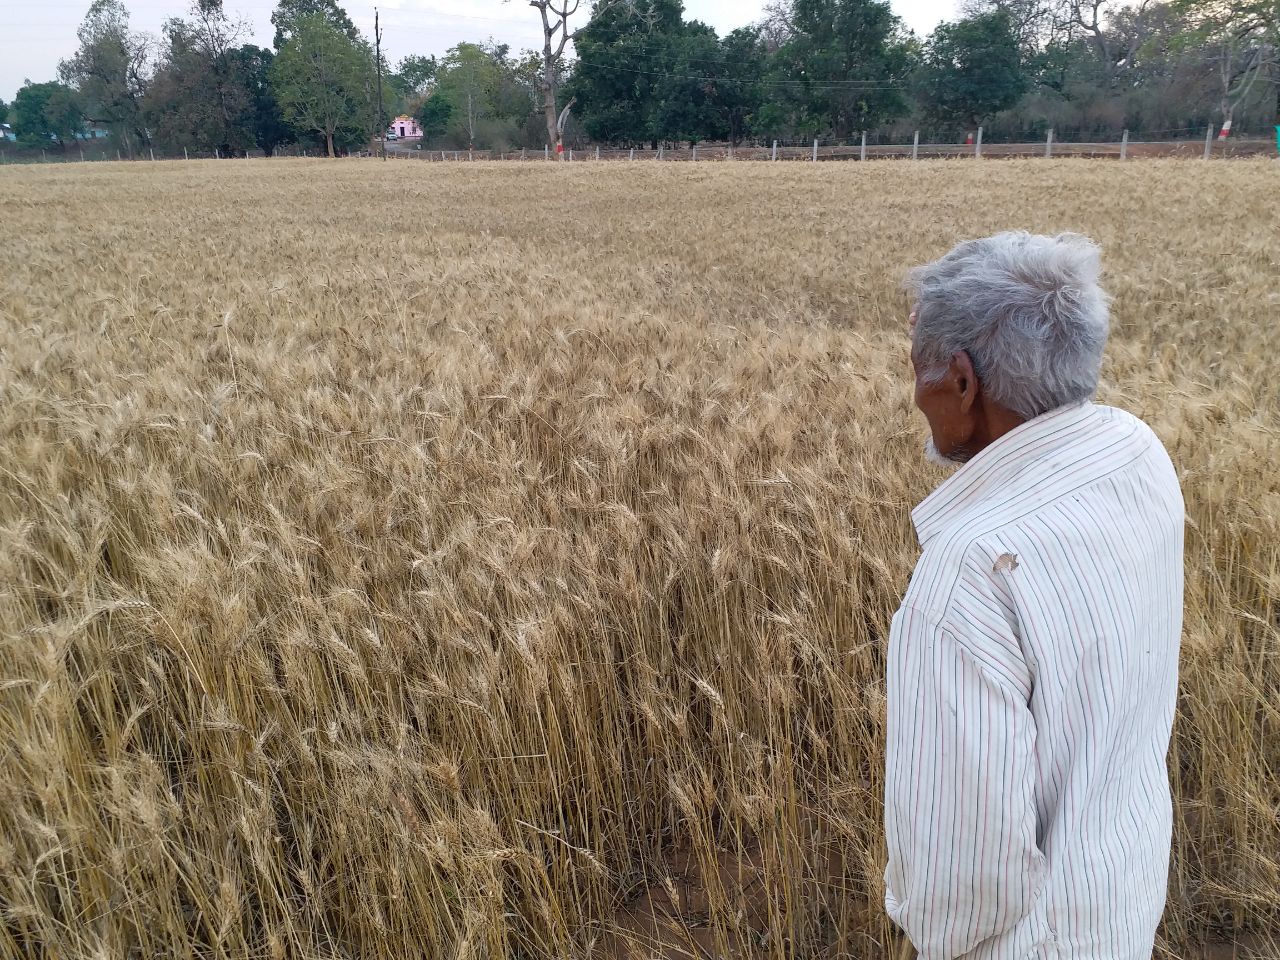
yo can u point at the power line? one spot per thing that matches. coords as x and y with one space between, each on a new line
851 85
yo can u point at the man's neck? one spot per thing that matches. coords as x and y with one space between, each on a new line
994 421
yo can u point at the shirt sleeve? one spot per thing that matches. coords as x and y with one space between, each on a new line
960 820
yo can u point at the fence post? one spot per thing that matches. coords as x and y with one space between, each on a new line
43 158
775 151
695 153
1208 142
152 151
470 155
633 153
915 147
597 151
862 154
1124 146
815 151
546 152
661 146
117 156
1048 145
184 154
977 145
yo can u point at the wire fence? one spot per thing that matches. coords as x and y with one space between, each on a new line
826 151
1123 147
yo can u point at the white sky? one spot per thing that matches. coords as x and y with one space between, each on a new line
36 34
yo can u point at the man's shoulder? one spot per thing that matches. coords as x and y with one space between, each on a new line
958 562
1057 508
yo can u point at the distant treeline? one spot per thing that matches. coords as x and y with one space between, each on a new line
642 74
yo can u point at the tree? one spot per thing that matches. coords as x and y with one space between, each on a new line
775 28
266 121
47 112
200 94
686 106
288 13
972 69
739 97
416 73
846 65
111 70
555 36
481 97
4 112
1239 38
1115 49
1035 23
624 56
435 116
320 78
411 82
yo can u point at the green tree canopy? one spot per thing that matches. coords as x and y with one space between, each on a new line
265 117
415 74
686 107
110 69
741 95
625 56
1240 39
480 97
435 117
972 69
320 77
47 112
200 95
288 13
845 67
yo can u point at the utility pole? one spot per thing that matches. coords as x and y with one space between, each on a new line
377 40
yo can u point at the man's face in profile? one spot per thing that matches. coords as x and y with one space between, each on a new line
931 399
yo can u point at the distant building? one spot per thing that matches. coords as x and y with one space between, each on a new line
6 132
405 127
92 131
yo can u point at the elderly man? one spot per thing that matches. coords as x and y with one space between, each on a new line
1033 664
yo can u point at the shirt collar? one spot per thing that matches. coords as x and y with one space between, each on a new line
994 465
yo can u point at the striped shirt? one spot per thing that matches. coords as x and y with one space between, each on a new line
1031 687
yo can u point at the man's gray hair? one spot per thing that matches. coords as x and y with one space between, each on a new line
1026 308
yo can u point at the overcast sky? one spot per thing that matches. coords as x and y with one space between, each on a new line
36 34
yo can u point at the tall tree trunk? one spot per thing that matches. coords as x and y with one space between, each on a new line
549 106
328 141
551 58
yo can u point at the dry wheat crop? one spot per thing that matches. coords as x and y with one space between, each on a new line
492 561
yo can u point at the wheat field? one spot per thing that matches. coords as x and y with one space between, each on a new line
495 560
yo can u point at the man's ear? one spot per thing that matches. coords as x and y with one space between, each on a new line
966 380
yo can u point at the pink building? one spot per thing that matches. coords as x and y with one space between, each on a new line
406 128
